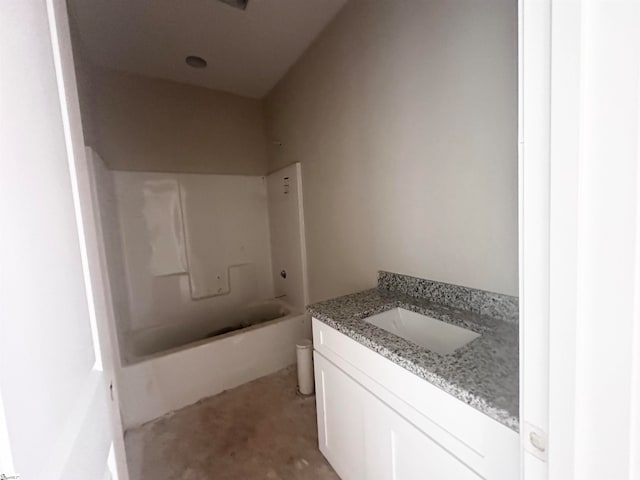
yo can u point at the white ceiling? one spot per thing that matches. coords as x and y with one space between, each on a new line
247 51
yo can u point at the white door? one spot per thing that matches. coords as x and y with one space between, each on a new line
57 416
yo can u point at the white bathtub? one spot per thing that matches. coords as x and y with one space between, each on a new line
162 340
170 369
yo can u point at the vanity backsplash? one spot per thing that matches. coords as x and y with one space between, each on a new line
496 305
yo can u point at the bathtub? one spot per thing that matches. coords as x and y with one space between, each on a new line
166 339
168 369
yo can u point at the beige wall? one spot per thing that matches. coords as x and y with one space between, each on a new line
84 82
404 116
146 124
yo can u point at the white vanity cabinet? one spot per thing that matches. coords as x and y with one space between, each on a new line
363 438
377 421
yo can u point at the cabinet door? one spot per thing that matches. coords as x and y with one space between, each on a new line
397 450
340 405
364 438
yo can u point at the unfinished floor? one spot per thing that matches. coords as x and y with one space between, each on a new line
261 430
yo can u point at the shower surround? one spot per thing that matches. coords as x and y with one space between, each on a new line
195 265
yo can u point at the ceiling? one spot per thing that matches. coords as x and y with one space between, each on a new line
247 51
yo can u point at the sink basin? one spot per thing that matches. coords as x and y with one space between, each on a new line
432 334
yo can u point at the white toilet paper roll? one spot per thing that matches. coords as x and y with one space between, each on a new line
304 353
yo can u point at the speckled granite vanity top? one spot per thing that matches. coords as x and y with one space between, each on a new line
483 373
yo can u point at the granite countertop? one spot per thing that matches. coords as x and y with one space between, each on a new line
483 373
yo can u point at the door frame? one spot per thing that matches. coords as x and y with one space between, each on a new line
534 89
91 241
579 168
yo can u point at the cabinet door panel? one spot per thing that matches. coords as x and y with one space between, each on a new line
340 402
415 456
409 453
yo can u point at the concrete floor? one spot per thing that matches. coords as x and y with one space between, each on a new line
260 430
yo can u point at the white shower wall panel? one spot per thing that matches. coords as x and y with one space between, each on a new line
225 225
112 241
288 246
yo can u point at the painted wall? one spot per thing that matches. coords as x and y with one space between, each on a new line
404 116
84 83
147 124
221 221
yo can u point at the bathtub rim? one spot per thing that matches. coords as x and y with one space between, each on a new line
135 360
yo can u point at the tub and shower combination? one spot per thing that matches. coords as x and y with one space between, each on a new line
194 265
